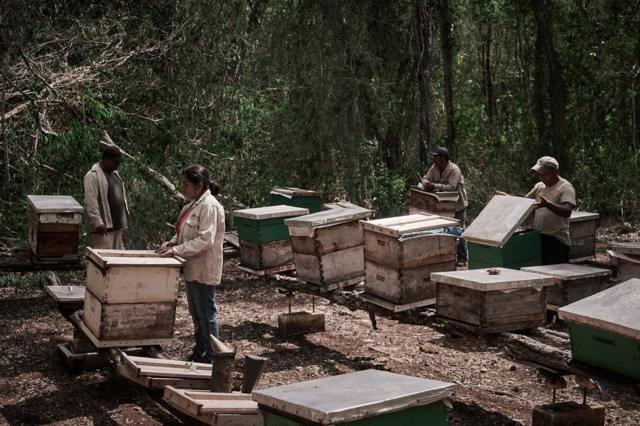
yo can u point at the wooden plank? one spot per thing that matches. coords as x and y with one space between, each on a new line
412 252
197 403
397 226
580 216
328 217
270 212
104 258
628 266
395 307
329 239
173 372
480 279
628 248
66 293
499 220
293 191
54 204
266 255
270 271
231 237
122 343
568 271
615 309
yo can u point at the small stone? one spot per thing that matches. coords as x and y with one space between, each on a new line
483 370
512 367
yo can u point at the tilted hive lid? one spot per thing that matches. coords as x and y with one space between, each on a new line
615 309
480 279
400 225
54 204
334 216
568 271
500 218
579 216
295 192
106 258
270 212
353 396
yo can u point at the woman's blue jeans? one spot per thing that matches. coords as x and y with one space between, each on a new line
202 307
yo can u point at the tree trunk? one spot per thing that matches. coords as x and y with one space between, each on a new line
552 138
423 61
5 139
446 43
487 77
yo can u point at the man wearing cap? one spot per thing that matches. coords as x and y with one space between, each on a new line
446 176
555 199
105 201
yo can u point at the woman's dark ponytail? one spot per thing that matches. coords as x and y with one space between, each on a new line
213 187
197 174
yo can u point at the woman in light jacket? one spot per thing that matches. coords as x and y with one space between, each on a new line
198 239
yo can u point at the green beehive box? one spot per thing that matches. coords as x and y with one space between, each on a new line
363 398
296 197
493 240
265 224
522 249
605 329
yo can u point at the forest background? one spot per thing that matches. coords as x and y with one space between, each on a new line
345 97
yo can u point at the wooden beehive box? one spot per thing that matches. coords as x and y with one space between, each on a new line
363 398
440 203
264 238
54 225
485 303
401 252
626 258
296 197
328 245
582 231
572 282
605 329
131 295
493 239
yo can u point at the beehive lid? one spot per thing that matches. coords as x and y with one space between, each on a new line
295 192
339 205
568 271
352 396
578 216
54 204
107 258
616 309
500 218
627 248
334 216
480 279
445 196
270 212
400 225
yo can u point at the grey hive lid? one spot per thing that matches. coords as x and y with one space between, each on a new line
627 247
568 271
134 258
480 279
615 309
580 216
400 225
54 204
295 192
353 396
328 217
500 218
270 212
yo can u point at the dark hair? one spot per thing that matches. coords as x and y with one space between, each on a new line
111 153
197 174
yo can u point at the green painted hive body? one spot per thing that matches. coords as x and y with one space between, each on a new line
604 349
265 224
605 329
432 415
522 249
296 197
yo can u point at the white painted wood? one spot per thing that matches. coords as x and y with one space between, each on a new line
616 309
500 218
398 226
580 216
353 396
568 271
54 204
270 212
480 279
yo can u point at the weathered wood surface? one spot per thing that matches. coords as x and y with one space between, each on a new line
411 252
580 216
162 382
332 267
54 204
401 225
353 396
395 308
304 225
481 280
616 309
270 212
253 368
144 258
221 366
23 260
129 321
500 218
440 203
627 265
568 271
629 248
329 239
266 255
137 283
66 293
297 323
293 192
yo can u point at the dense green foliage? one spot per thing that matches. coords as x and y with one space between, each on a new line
307 94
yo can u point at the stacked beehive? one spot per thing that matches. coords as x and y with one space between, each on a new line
54 225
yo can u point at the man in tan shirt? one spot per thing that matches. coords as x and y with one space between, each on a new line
445 176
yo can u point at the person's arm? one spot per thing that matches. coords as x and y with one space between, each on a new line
91 207
205 238
452 183
427 181
561 209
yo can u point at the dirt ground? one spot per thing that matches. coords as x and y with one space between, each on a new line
493 388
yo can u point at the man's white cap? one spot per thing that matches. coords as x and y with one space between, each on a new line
548 162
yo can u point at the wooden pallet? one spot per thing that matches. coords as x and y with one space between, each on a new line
340 285
475 329
153 373
270 271
75 362
222 409
389 306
